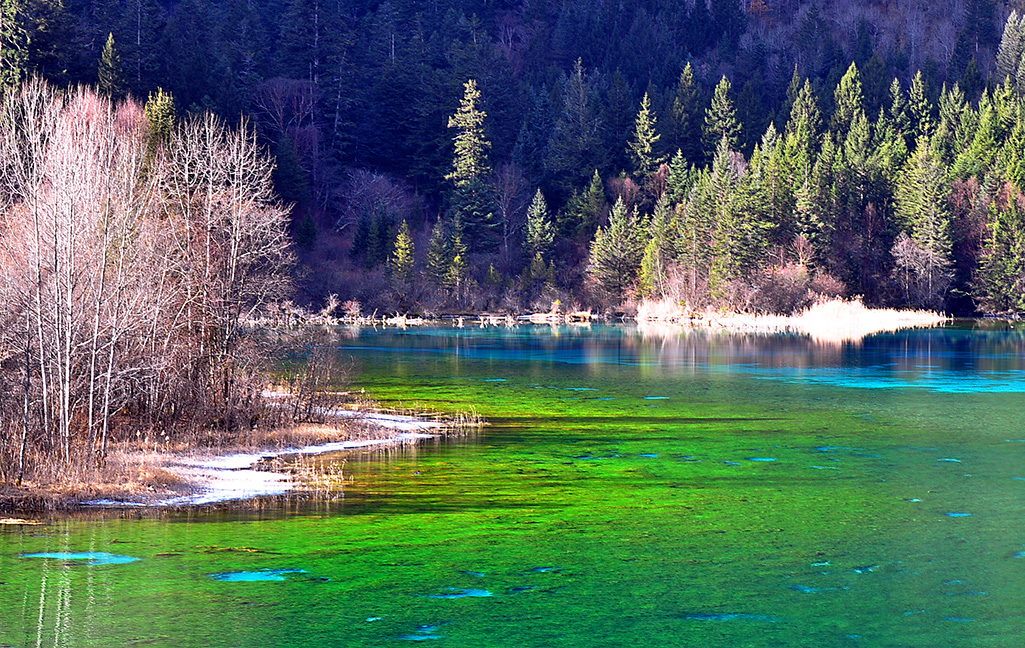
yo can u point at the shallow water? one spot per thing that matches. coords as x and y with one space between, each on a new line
633 489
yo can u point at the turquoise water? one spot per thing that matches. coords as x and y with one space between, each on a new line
633 488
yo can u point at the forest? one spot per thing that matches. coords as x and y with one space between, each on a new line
466 155
170 171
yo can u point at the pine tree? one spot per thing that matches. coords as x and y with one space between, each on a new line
574 147
652 281
1009 52
1001 275
540 230
721 118
643 145
685 124
470 162
160 114
13 44
438 255
897 113
920 108
458 267
849 102
111 74
472 202
404 255
584 211
922 209
617 250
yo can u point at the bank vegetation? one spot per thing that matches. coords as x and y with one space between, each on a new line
132 247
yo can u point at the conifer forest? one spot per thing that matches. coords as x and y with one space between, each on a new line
504 155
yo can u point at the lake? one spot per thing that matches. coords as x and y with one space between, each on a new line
635 487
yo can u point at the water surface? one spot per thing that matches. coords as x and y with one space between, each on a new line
634 488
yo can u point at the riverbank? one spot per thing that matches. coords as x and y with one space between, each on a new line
830 322
151 475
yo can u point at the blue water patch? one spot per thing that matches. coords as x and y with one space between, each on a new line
949 460
545 570
656 398
602 398
731 463
493 379
649 455
422 633
579 389
912 499
256 576
864 569
522 589
475 574
88 557
728 616
459 592
760 459
804 589
824 467
1020 554
958 619
958 515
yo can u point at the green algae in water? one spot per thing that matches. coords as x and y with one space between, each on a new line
582 540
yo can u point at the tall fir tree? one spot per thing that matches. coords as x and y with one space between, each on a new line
721 118
643 146
111 73
13 44
540 230
472 202
920 108
403 257
617 250
922 209
848 103
684 133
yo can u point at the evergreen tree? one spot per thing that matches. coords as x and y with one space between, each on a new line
110 73
458 267
1009 52
532 144
473 204
574 147
470 162
721 118
920 108
653 280
584 211
404 255
438 255
1001 274
617 250
921 199
13 44
800 140
643 145
540 230
685 124
161 117
897 113
849 102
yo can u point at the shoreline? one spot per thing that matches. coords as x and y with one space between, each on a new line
234 476
156 480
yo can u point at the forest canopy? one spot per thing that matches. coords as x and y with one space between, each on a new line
746 153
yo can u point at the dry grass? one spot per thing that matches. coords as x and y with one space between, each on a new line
835 321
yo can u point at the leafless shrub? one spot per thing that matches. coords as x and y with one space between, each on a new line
126 277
